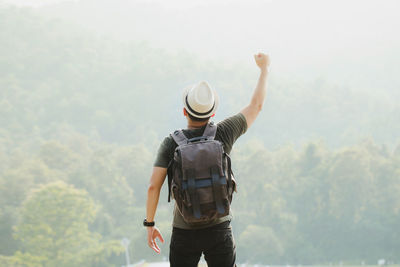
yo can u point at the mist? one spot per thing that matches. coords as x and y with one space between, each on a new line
89 90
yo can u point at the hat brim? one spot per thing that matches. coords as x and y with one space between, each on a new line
188 109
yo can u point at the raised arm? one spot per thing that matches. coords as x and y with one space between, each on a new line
251 111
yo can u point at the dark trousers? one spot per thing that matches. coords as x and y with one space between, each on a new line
216 242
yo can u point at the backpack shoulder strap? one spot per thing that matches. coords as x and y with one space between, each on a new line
179 137
210 131
170 174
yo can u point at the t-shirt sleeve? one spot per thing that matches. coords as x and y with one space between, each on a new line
232 128
165 153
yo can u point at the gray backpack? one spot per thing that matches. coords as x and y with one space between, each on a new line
200 177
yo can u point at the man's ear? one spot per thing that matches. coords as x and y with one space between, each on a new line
184 112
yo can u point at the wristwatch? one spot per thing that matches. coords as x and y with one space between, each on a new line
148 224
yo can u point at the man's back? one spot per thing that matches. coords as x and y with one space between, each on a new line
228 131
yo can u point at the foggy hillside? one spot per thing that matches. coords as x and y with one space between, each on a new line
361 103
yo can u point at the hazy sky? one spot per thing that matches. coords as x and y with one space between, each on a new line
308 36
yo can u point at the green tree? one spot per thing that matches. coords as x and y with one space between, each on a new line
15 183
54 226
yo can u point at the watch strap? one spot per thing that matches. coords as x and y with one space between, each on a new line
148 224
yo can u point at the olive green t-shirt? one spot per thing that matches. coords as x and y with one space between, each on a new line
228 131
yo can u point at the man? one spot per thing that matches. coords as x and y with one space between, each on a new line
214 239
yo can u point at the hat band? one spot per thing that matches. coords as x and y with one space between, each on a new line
195 112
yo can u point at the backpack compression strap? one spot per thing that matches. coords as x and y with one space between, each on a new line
230 185
194 198
210 130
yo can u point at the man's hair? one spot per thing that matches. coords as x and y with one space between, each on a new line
193 118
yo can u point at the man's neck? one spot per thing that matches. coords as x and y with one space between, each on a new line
196 124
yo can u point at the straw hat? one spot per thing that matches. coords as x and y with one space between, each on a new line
200 100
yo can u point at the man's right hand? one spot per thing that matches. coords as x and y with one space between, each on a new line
262 61
152 234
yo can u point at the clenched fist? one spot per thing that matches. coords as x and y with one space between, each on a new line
262 61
